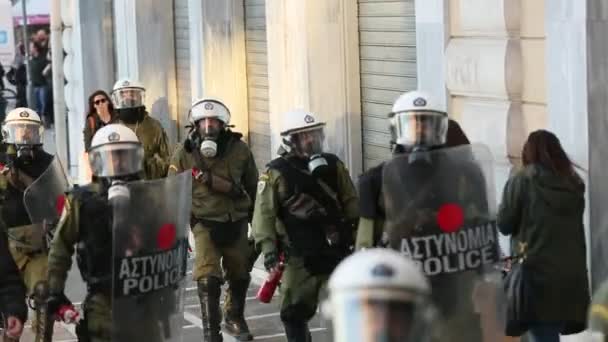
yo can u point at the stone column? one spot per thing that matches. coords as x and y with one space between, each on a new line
217 55
597 105
432 35
88 66
145 50
313 64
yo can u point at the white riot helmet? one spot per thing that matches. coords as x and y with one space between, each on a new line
209 108
208 132
417 121
303 133
379 295
115 151
22 126
127 93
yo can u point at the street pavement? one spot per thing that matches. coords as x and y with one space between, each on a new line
263 319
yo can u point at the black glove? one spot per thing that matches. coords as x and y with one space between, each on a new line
271 260
55 301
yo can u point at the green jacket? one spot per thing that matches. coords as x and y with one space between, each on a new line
371 208
272 190
24 238
156 148
234 162
543 212
62 247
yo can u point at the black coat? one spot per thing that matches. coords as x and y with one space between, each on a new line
12 289
544 212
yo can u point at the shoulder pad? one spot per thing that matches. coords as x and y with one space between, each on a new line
275 164
235 135
332 157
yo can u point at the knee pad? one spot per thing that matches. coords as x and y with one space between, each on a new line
210 285
41 292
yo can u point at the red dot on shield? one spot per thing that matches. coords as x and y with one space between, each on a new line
60 204
450 217
165 238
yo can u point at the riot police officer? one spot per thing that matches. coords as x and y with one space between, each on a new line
432 192
116 155
305 212
223 193
22 132
377 295
372 213
128 97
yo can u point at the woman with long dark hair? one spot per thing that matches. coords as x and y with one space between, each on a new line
101 113
542 209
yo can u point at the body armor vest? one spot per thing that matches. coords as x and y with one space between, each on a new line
13 210
94 249
311 215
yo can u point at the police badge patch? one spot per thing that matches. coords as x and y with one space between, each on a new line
420 102
114 137
309 119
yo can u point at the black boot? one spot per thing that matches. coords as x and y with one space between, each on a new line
297 331
209 290
234 310
43 326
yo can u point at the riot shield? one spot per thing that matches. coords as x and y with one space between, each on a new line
150 249
44 198
441 212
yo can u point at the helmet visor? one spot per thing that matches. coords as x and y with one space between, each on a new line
424 129
22 133
309 142
379 316
128 98
209 127
113 160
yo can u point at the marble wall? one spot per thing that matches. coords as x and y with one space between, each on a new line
495 74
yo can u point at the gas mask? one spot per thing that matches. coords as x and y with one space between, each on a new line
131 115
310 144
118 191
317 164
208 148
25 152
420 156
21 139
209 134
20 154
